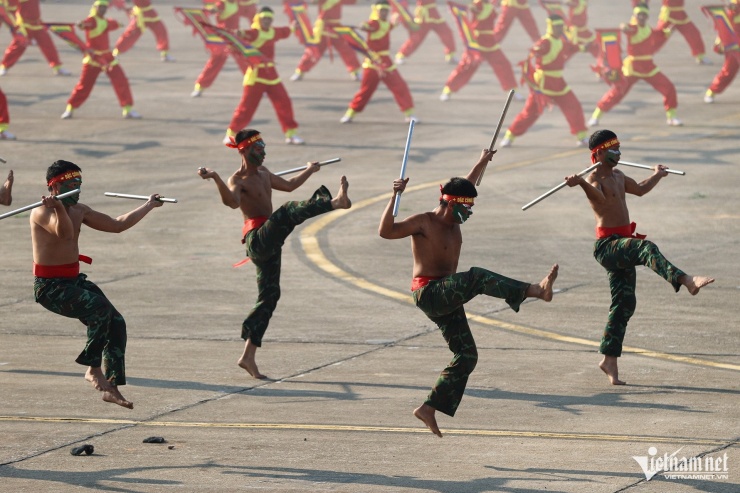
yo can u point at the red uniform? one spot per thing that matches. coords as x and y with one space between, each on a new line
482 20
642 43
143 16
731 65
547 85
4 115
428 18
516 9
227 17
578 31
264 79
380 68
330 16
29 24
248 9
673 15
98 43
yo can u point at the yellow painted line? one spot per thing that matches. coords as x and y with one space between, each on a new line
370 429
312 249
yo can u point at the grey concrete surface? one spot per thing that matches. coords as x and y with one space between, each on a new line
349 356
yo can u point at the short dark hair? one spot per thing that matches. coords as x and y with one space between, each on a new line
555 17
599 137
59 167
267 9
460 187
245 134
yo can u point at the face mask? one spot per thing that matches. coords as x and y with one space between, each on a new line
68 186
461 212
613 155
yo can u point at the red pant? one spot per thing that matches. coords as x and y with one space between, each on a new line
251 96
535 105
310 57
619 90
18 46
216 62
417 37
469 64
508 14
4 115
133 32
393 80
727 73
690 33
87 81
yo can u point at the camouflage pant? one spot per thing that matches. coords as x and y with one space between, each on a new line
264 248
442 301
79 298
619 256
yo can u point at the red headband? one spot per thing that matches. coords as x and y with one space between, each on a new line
244 143
67 175
456 198
603 146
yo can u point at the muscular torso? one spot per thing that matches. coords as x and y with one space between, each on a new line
48 248
613 211
255 192
436 248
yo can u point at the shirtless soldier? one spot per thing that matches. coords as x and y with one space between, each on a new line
61 288
6 192
440 291
264 232
618 249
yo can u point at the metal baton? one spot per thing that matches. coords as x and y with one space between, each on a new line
635 165
397 200
552 191
38 204
301 168
137 197
498 129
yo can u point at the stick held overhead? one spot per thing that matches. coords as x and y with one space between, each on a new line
553 190
137 197
397 201
301 168
498 129
38 204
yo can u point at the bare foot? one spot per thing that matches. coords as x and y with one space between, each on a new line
248 362
609 366
543 290
425 412
342 201
97 379
695 283
115 397
251 368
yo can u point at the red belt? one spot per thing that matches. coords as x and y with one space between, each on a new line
420 281
252 223
65 270
626 231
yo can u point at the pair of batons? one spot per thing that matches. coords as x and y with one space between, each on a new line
588 170
38 204
137 197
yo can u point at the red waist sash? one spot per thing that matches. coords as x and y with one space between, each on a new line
252 223
65 270
626 231
420 281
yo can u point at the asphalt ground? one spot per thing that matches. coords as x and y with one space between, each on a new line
348 354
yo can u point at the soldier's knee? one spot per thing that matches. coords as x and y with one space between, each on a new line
470 360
